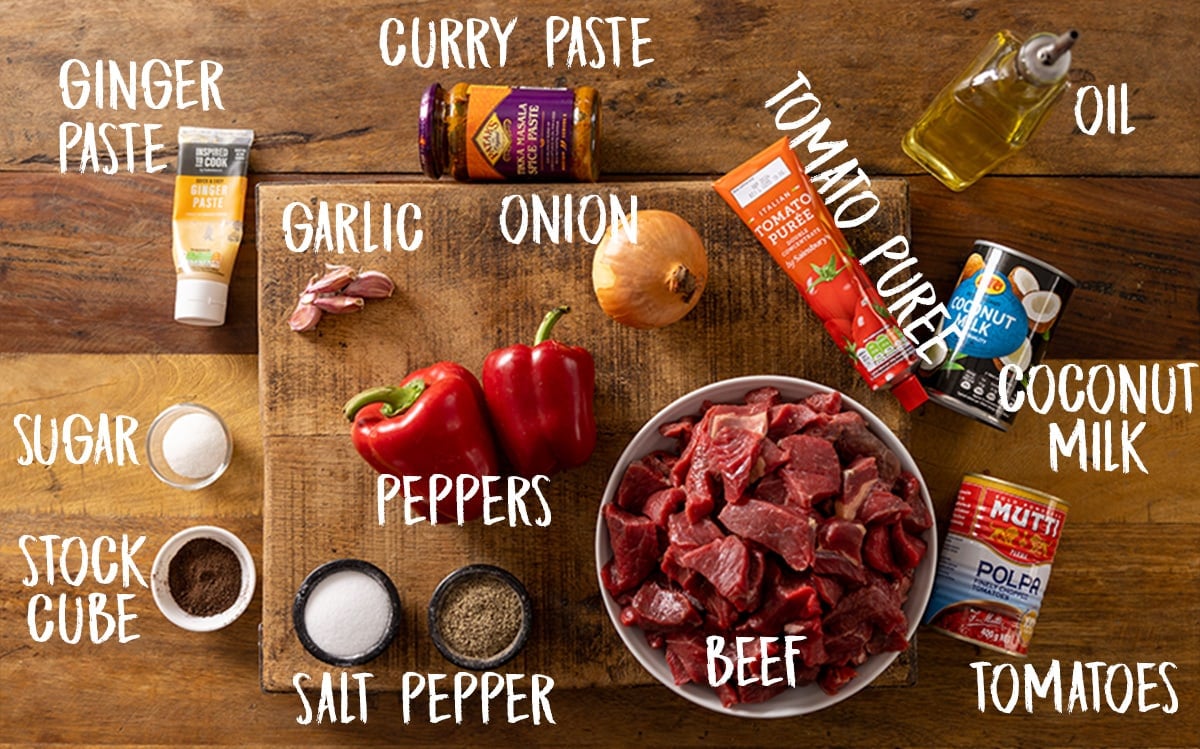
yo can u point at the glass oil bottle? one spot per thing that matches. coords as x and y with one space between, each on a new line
989 112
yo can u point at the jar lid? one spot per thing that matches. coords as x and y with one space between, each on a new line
429 137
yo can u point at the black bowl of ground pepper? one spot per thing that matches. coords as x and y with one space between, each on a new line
480 617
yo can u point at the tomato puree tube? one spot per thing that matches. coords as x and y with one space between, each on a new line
210 192
776 200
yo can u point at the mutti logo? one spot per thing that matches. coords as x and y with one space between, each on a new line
1028 516
995 283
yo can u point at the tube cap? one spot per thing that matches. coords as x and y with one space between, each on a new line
910 393
200 302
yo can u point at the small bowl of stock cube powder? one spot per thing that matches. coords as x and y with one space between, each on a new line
203 578
346 612
188 446
480 617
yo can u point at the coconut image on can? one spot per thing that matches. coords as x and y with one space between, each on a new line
1002 313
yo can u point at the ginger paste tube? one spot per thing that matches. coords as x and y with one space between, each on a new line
210 193
776 200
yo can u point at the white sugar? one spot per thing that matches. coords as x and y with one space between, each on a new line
347 614
195 445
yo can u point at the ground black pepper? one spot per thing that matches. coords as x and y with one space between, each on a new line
205 577
480 616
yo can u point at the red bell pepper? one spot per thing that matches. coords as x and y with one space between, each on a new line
541 401
434 422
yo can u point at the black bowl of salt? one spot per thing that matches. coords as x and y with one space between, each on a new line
347 612
480 617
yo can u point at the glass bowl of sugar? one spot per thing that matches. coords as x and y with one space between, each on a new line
188 446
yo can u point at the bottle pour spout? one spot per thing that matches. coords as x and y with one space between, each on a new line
1049 54
1045 58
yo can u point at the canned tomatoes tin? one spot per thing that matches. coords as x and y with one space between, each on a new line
1002 312
995 563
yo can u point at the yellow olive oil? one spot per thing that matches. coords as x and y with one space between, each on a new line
988 112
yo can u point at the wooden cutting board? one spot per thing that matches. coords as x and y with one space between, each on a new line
463 292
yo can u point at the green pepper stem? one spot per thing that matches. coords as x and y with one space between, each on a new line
395 400
548 322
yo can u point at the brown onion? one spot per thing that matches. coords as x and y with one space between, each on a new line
655 281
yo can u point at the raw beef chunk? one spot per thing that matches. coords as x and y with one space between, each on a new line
662 504
770 459
683 532
641 479
736 442
634 540
725 564
787 600
877 550
658 608
833 678
839 551
782 530
825 403
764 396
882 506
812 472
857 482
909 488
907 549
680 430
788 418
852 438
687 655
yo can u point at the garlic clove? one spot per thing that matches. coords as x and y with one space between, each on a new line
305 317
370 284
339 304
336 278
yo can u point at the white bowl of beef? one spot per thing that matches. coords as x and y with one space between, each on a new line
795 513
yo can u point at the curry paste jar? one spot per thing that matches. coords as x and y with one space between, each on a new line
510 133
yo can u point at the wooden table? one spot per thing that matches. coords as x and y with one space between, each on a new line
85 327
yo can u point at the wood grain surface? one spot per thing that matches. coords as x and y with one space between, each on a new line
85 260
150 693
1099 606
86 292
335 106
319 501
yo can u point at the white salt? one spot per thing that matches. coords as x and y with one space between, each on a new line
195 445
347 614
